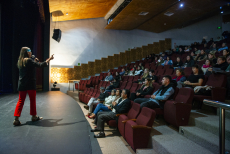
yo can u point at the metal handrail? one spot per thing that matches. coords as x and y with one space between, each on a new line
222 106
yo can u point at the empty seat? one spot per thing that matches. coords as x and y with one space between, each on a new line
188 71
130 79
160 72
123 85
136 78
137 132
169 71
133 88
125 78
177 112
132 114
128 86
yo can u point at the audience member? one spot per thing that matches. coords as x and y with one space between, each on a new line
114 84
196 79
141 66
115 94
168 61
122 72
223 47
193 55
156 60
211 41
159 97
139 71
145 75
178 62
122 106
203 41
160 61
213 48
134 66
201 56
218 38
206 49
189 61
152 76
146 89
212 58
180 78
132 72
163 56
196 51
208 63
109 77
186 49
225 53
94 101
117 76
180 51
221 64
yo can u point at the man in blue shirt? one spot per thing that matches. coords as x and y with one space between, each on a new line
159 97
109 77
224 47
122 72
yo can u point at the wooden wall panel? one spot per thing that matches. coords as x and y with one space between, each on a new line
116 60
144 51
84 70
97 66
150 46
91 70
156 48
168 43
162 45
127 54
77 72
103 64
139 53
122 58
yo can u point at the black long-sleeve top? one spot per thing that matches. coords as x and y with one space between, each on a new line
146 91
102 96
27 75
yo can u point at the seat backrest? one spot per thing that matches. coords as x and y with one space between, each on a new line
176 90
129 85
146 117
188 71
139 86
160 79
134 87
167 67
217 80
169 71
160 72
103 83
156 86
130 78
134 111
107 84
136 78
160 67
123 84
185 95
125 78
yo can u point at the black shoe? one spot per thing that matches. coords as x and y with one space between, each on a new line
86 107
100 135
95 130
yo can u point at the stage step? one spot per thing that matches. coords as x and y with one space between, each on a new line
145 151
203 138
211 124
170 141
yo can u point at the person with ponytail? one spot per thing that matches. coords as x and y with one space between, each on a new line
27 83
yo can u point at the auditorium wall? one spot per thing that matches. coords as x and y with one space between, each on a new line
87 40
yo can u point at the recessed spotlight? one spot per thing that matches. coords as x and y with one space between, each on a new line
67 14
222 12
179 0
181 5
221 7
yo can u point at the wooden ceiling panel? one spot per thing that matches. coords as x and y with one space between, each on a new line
134 8
192 10
80 9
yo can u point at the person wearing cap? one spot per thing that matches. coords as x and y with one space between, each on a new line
93 101
27 83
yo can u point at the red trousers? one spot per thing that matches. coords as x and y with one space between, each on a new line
21 100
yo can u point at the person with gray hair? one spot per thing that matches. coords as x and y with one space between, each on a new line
93 100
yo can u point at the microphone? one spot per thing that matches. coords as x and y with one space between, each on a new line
33 57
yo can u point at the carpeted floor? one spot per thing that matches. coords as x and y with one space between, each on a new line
64 128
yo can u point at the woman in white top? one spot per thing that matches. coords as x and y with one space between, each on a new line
108 102
132 72
139 71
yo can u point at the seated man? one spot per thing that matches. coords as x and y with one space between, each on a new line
122 72
158 98
114 84
223 47
109 77
93 101
221 65
122 106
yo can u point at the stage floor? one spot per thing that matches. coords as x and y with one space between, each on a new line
64 128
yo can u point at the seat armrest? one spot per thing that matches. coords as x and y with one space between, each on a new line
121 114
218 93
140 127
128 120
181 104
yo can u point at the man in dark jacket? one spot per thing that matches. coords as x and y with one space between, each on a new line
113 85
122 106
93 101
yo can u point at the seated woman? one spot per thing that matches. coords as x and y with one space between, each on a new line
168 61
117 77
113 85
115 94
178 62
141 66
201 56
192 54
152 76
132 71
134 66
225 53
160 61
156 60
205 66
196 79
139 71
189 61
146 89
212 58
145 75
180 78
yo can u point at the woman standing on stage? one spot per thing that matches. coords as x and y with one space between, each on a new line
27 83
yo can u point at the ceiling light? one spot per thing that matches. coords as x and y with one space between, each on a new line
168 13
222 12
67 14
181 5
179 0
221 7
143 13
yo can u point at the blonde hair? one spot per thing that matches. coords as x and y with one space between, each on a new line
146 74
23 57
